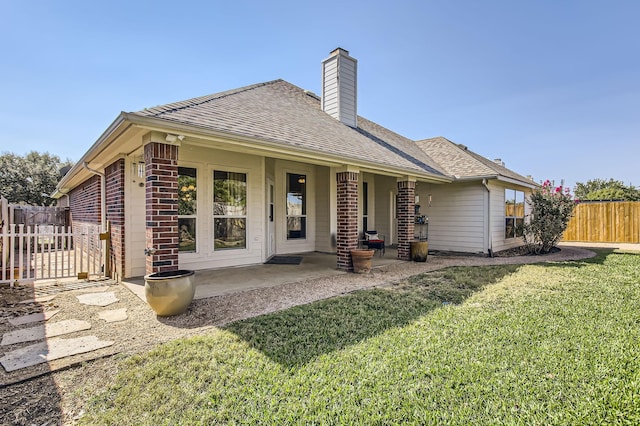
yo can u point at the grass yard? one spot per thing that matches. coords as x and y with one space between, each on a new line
535 344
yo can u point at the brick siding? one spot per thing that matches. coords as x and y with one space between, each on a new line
347 235
406 218
161 174
84 201
114 176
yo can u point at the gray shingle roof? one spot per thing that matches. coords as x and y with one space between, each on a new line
459 161
279 112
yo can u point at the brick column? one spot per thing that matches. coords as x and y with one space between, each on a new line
114 176
347 233
161 175
406 217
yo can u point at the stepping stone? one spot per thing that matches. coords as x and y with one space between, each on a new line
44 331
50 350
39 299
96 289
114 315
27 319
98 299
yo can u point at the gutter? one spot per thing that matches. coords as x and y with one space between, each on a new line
489 240
527 184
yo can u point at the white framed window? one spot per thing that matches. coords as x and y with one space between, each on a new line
365 206
229 210
514 213
296 206
187 209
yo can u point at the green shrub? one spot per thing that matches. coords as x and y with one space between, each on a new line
551 209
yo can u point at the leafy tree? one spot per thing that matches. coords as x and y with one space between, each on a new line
30 179
600 189
551 209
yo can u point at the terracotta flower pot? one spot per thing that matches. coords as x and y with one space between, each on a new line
361 259
170 292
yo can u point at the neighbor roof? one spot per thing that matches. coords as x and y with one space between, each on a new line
458 161
282 113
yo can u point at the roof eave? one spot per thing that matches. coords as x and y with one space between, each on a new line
117 127
153 123
528 184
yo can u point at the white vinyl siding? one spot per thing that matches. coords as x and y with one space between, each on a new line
339 88
330 89
135 220
499 242
323 210
383 187
456 216
347 92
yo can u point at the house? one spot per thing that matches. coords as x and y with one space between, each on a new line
236 177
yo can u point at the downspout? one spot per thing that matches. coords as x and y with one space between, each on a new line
489 241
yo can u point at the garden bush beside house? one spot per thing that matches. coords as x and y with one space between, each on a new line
551 209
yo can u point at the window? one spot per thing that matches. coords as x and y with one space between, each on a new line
296 206
187 206
514 213
365 206
229 210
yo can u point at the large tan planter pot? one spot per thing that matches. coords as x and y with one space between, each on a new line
169 293
419 250
361 259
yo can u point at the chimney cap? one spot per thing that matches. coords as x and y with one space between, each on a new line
337 51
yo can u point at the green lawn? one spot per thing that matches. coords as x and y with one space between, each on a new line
535 344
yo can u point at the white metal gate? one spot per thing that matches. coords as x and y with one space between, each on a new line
38 252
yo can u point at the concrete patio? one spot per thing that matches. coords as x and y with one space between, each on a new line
216 282
314 265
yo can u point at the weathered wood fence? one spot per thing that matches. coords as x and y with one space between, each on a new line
605 222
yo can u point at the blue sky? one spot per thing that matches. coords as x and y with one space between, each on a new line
551 87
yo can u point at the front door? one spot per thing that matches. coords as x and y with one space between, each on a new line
271 239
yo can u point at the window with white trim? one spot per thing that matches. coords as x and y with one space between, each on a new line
229 210
365 206
296 206
187 209
514 213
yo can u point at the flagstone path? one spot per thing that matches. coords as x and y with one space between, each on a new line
36 327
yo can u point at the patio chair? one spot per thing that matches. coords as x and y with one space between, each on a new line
373 240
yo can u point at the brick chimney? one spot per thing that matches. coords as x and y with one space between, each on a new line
339 87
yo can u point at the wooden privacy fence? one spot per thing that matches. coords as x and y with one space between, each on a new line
47 251
605 222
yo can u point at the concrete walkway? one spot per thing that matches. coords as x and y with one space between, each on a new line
619 246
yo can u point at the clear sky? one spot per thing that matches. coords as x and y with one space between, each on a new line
550 87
